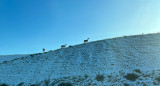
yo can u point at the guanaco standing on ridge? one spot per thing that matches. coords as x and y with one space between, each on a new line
63 46
43 50
86 40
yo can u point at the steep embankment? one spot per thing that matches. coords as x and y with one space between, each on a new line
133 60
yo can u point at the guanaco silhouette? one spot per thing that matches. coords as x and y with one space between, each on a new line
86 40
63 46
43 50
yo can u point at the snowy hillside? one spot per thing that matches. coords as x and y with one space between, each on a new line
11 57
123 61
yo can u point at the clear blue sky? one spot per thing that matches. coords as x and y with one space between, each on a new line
27 26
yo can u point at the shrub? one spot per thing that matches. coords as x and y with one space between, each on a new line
70 46
95 84
131 77
155 83
158 79
3 85
65 84
89 84
32 55
144 84
46 82
124 36
53 83
22 58
86 76
125 84
34 85
5 61
137 70
100 77
20 84
37 84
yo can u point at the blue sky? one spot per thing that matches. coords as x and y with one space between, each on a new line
27 26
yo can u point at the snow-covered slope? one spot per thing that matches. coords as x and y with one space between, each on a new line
11 57
123 61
